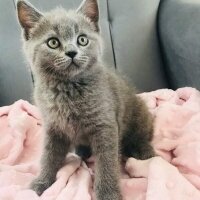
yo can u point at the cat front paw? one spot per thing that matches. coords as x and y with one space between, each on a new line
145 153
40 185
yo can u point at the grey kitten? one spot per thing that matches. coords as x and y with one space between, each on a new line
83 104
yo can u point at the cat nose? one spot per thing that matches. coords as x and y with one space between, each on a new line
71 54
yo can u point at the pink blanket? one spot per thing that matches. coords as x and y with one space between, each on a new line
173 175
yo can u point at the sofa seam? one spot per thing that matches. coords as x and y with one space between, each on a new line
160 44
111 37
14 3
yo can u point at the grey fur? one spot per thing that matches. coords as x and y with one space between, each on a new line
82 104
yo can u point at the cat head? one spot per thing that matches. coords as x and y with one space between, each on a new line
61 43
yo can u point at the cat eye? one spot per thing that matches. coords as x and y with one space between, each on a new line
82 40
53 43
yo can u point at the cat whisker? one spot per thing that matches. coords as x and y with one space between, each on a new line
49 69
83 56
82 60
60 60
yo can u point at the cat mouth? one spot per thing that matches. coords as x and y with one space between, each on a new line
74 64
67 66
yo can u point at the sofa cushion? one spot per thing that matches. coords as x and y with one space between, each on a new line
179 30
133 25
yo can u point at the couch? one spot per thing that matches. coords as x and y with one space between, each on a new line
153 43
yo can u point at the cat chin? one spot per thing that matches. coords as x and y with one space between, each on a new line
74 65
68 70
67 67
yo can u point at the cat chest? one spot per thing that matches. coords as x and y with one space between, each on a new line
65 115
64 112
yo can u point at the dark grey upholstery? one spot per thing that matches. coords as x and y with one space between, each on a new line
179 28
132 44
135 44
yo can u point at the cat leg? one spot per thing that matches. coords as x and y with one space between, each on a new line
56 147
136 141
105 147
136 147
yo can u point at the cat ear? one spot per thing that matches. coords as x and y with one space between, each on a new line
90 9
28 16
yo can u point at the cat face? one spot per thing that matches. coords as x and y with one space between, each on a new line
60 43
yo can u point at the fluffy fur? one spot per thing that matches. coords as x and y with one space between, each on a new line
83 104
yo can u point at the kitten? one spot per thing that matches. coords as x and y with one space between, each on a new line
83 104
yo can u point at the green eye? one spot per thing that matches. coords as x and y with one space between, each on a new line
53 43
82 40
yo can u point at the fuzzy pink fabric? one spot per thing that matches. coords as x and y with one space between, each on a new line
174 174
